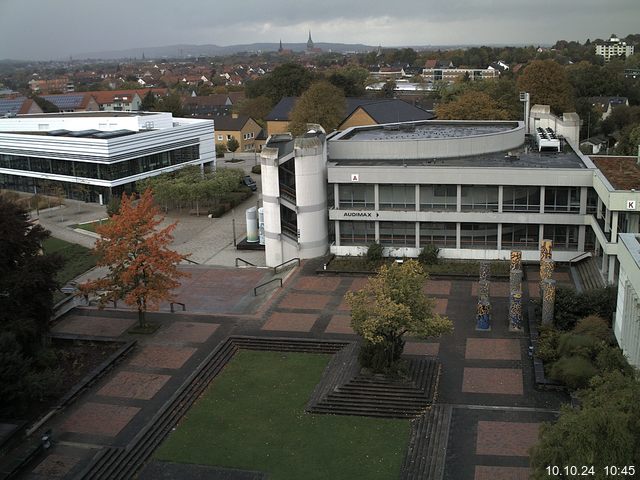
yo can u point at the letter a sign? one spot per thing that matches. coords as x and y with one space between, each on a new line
355 177
631 204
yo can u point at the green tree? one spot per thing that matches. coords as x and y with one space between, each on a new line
604 431
232 144
323 103
27 285
287 80
629 142
149 102
391 305
388 89
171 103
257 108
548 84
471 106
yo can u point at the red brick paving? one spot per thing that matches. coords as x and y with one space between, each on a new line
142 386
496 289
158 356
440 305
358 283
534 289
305 300
99 419
317 284
344 306
513 439
501 473
418 348
187 332
56 465
293 322
437 287
340 324
98 326
492 349
505 381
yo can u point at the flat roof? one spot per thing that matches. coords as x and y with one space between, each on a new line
523 157
623 173
102 113
427 130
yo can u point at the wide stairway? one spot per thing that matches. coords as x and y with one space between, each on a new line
589 274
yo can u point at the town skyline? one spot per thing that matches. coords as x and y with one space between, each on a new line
411 23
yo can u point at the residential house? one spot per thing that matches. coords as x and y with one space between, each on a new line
244 129
10 107
358 112
74 102
53 85
605 105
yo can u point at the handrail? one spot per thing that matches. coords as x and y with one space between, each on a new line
255 289
244 261
275 269
191 261
580 257
184 308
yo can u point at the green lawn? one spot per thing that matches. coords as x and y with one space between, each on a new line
91 227
252 417
77 260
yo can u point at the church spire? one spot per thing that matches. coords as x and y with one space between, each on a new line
309 42
280 48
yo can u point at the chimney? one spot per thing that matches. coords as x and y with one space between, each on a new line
234 115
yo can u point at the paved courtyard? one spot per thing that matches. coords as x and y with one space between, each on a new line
486 376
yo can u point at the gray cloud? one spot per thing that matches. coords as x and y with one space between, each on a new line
45 29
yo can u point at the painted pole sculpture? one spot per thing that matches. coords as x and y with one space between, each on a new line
548 301
483 312
515 291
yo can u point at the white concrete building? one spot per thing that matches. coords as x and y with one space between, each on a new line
614 47
93 155
626 326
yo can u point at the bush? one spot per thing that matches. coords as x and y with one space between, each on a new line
611 359
217 211
429 255
547 346
382 357
575 371
256 169
374 252
571 344
571 306
113 207
593 326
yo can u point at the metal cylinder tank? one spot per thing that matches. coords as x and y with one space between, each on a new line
251 215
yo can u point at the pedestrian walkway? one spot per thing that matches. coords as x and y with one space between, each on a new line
486 380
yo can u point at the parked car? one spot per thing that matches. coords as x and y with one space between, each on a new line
249 182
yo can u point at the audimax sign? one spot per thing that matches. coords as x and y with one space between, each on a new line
361 214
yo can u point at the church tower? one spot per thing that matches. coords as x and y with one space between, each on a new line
309 43
280 48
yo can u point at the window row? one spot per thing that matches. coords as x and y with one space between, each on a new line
443 235
472 198
111 171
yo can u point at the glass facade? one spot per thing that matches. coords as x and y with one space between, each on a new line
438 197
479 198
357 233
441 235
520 236
520 199
562 200
99 171
398 234
479 235
358 197
564 237
397 197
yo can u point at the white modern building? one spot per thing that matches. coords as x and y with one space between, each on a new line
614 47
93 155
626 326
475 189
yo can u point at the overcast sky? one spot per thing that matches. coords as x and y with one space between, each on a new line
52 29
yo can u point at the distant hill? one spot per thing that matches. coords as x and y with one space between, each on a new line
189 51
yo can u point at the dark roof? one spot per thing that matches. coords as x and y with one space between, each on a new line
387 110
282 110
229 123
218 99
608 100
382 110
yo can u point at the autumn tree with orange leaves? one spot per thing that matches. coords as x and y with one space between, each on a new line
143 271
